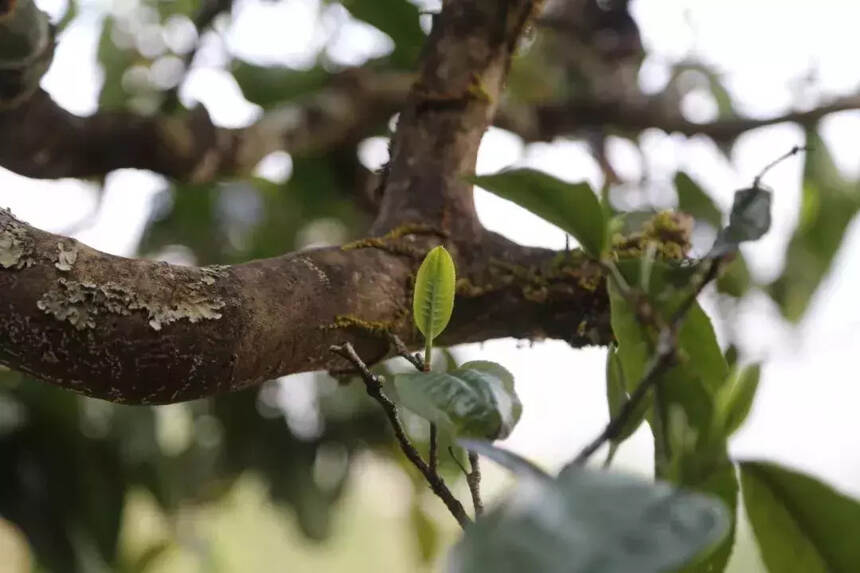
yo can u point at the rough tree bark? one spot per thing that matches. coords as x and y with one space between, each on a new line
137 331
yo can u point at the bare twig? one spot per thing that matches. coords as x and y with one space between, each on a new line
403 351
374 390
433 456
661 362
791 152
473 478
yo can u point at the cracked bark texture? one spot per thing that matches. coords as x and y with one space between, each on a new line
137 331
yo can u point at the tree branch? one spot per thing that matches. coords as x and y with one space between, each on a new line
145 332
189 147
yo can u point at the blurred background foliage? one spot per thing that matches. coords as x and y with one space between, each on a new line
72 469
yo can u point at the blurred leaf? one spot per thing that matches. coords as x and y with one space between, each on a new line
398 19
433 299
693 200
590 522
687 453
269 86
734 400
572 206
800 523
829 204
505 458
475 400
735 279
426 531
114 62
748 221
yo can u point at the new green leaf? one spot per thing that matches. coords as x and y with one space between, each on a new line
433 300
476 400
800 523
572 206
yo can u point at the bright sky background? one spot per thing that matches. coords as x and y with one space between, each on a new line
767 50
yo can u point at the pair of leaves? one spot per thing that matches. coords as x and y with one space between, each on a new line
477 399
800 523
587 521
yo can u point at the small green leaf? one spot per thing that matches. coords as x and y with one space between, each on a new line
591 522
800 523
734 400
693 200
476 400
572 206
433 301
749 220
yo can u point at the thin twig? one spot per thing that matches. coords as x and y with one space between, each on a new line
793 151
667 350
374 390
665 357
473 478
403 351
433 456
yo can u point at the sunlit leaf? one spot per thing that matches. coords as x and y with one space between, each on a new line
590 522
476 400
800 523
433 300
572 206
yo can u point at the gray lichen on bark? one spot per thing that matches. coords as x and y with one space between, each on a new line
81 303
16 245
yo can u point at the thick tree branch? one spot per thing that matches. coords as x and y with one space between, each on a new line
191 148
145 332
138 331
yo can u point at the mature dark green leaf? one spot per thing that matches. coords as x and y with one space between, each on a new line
398 19
686 452
693 200
476 400
433 299
800 523
505 458
592 522
749 220
734 400
829 204
572 206
269 87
